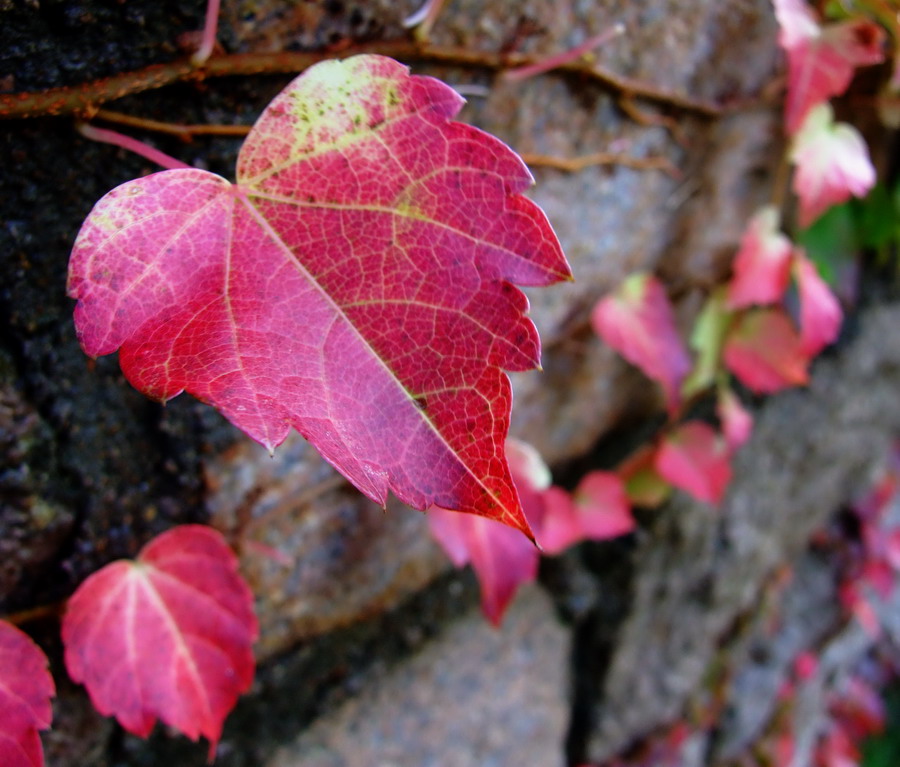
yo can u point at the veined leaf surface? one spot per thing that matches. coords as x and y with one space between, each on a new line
357 284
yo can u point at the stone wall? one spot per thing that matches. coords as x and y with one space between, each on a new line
372 650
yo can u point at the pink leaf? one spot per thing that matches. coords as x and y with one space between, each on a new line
832 164
762 266
837 750
503 558
736 421
806 666
26 688
166 636
598 510
892 548
637 321
820 312
821 60
696 459
355 284
765 352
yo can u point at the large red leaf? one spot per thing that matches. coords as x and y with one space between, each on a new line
25 691
166 636
821 59
638 322
356 284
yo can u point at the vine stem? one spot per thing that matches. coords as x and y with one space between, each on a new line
52 610
131 144
566 57
84 98
210 27
567 164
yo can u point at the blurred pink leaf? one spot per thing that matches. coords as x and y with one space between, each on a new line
762 266
832 164
637 321
820 312
765 351
502 557
597 510
736 421
696 459
821 59
26 688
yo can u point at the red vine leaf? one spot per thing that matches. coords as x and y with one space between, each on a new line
821 59
765 351
762 266
597 510
820 312
26 688
735 419
696 459
503 558
165 636
638 322
832 162
355 284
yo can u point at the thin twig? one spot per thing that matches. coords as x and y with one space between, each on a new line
131 144
557 60
575 164
52 610
173 129
208 40
86 97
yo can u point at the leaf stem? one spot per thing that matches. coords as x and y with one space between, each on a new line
52 610
173 129
566 57
210 27
131 144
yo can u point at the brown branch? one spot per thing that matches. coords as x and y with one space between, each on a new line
52 610
575 164
83 99
173 129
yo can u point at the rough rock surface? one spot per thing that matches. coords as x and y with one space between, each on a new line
437 711
91 469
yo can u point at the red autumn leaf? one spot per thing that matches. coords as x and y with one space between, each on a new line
696 459
503 558
355 284
598 510
736 421
821 59
832 164
26 688
637 321
765 351
820 312
806 666
165 636
762 266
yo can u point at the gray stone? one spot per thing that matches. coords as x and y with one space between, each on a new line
474 696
